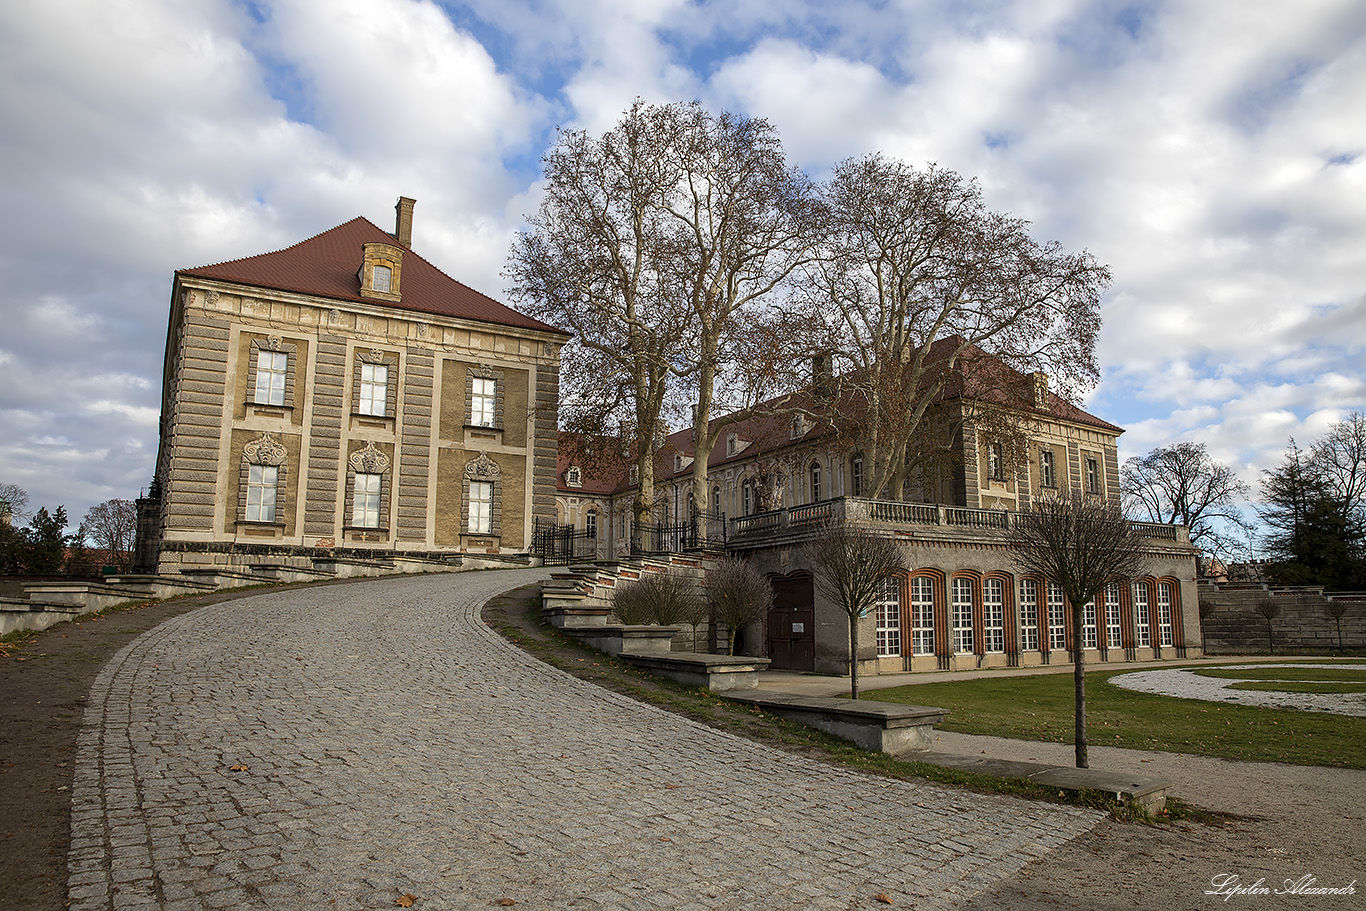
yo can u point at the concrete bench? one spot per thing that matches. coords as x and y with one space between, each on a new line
1148 793
718 673
624 640
883 727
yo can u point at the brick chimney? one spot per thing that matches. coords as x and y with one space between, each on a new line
403 224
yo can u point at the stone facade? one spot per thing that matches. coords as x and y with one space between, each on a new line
317 401
776 480
1304 620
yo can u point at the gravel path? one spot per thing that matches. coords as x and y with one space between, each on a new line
1190 684
342 747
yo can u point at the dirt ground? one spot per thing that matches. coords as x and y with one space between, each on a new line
1287 822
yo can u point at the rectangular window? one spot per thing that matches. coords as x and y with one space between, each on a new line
1164 614
374 389
1057 617
1141 628
1029 615
483 402
481 507
856 475
888 609
261 482
815 483
922 615
1092 475
995 462
994 615
1088 625
962 615
1112 625
271 369
365 503
1047 476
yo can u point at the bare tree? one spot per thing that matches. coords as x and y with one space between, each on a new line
1181 484
13 501
600 259
1082 544
1341 461
743 223
1269 610
1336 610
851 566
917 279
738 595
112 526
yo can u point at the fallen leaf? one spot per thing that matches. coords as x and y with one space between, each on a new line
405 900
884 898
664 838
237 768
505 902
670 787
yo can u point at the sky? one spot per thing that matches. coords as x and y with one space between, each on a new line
1211 152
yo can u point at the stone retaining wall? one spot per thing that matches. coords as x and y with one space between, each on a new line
1232 625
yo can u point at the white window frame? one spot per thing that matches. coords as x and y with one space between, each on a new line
1142 617
366 499
1089 633
963 596
1057 617
272 374
590 524
995 462
747 498
374 389
262 491
1029 615
994 615
887 608
1164 615
815 472
856 475
1048 471
481 508
381 278
1113 627
483 402
1092 475
922 615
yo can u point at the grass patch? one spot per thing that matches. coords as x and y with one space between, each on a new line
1354 673
1042 708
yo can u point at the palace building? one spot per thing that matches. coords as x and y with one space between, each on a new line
345 398
781 474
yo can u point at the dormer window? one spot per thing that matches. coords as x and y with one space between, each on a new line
573 477
731 444
678 463
635 474
798 426
381 272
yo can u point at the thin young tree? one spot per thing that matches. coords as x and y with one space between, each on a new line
1082 544
851 566
1269 611
737 594
1336 610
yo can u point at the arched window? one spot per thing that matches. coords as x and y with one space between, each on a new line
1029 615
994 615
747 498
716 500
856 475
1142 627
887 608
962 615
815 482
590 524
922 615
678 462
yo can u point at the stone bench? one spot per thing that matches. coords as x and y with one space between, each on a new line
576 616
1148 793
625 640
718 673
884 727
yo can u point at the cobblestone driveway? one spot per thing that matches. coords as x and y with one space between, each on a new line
394 744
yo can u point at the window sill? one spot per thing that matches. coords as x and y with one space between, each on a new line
262 410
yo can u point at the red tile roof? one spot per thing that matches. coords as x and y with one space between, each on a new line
327 265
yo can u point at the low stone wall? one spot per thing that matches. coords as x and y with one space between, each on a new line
581 594
1232 625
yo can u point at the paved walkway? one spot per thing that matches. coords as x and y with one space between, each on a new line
387 742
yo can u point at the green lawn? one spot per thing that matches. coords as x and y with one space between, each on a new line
1042 708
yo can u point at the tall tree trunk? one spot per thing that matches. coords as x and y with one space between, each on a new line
853 657
1079 680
